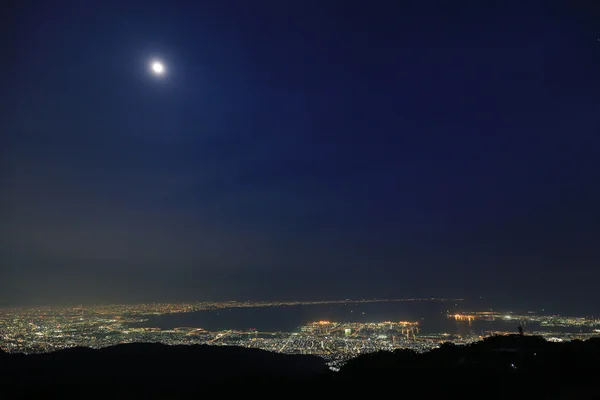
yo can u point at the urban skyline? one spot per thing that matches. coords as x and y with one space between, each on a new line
47 329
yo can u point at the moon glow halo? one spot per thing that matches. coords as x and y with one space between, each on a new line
157 68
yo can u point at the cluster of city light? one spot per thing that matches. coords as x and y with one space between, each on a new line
462 317
47 329
543 320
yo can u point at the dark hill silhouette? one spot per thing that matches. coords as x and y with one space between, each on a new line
146 369
516 366
528 365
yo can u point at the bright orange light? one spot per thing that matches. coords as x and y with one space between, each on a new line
463 317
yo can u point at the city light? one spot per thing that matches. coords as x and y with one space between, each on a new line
35 330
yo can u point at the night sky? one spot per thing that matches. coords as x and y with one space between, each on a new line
299 150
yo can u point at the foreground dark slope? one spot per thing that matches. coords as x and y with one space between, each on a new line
515 366
156 363
149 370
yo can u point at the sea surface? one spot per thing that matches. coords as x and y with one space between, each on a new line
431 315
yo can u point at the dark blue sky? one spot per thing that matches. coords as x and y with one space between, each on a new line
314 149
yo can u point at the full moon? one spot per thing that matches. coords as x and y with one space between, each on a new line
158 68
